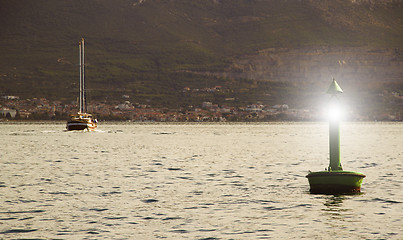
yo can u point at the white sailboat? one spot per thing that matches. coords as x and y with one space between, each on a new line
82 120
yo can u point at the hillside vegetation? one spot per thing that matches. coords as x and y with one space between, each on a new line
152 49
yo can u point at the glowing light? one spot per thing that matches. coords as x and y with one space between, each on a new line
335 112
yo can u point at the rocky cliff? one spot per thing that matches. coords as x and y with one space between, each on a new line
319 64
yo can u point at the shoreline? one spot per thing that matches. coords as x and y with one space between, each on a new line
60 122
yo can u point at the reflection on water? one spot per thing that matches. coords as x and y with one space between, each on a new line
334 201
336 215
334 206
228 181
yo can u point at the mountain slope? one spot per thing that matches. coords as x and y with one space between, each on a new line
148 48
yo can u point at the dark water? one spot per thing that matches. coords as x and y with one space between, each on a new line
231 181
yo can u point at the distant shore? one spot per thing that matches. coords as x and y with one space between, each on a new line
61 122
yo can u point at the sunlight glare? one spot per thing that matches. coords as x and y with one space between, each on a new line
335 112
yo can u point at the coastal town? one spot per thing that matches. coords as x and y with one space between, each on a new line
14 108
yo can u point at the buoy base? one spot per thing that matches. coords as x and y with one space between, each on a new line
335 182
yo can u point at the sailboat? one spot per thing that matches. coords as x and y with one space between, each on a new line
82 120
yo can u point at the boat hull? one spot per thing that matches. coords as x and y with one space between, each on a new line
81 121
79 126
335 182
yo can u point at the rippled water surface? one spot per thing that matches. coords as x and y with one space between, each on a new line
229 181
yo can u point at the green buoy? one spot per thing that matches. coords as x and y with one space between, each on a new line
335 180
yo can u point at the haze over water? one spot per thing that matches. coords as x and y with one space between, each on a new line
196 181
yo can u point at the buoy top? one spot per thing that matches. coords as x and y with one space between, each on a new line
334 88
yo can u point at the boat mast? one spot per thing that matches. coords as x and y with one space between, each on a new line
83 102
80 109
84 92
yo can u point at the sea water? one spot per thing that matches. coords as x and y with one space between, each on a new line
196 181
